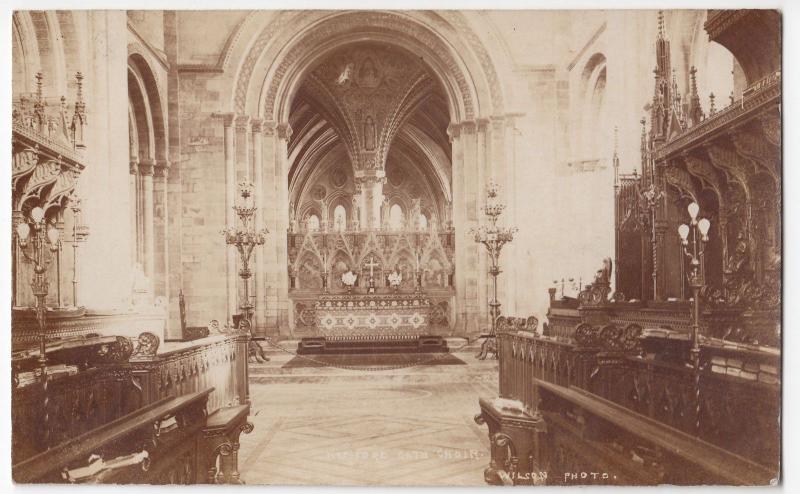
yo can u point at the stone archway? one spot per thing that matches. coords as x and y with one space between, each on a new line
268 79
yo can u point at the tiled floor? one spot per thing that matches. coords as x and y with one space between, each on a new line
341 427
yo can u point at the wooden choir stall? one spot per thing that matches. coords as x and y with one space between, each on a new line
122 410
96 396
675 377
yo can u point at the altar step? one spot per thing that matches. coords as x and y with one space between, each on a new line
454 343
274 372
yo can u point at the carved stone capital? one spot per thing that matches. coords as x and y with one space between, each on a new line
453 131
284 131
133 166
161 171
468 127
499 122
227 118
242 122
257 125
147 167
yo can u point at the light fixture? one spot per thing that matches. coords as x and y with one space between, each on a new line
52 235
704 225
35 250
23 230
696 274
37 214
693 210
683 231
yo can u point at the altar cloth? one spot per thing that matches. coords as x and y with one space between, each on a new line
396 313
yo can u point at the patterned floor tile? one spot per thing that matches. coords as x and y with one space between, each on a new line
370 432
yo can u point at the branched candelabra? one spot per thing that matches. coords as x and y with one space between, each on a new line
693 238
493 237
245 238
39 249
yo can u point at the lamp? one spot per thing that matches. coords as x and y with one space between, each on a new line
693 239
493 238
693 210
38 243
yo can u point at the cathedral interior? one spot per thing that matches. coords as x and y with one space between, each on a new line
396 247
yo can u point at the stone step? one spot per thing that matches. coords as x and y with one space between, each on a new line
378 377
276 362
284 346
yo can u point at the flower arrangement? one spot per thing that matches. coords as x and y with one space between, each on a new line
349 278
395 278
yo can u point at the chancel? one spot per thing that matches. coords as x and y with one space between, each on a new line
315 247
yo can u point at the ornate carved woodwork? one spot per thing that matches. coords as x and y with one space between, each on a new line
734 152
610 402
65 324
514 443
161 439
113 377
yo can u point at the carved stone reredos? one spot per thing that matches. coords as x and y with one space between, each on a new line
367 90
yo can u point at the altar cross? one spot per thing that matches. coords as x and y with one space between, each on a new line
371 265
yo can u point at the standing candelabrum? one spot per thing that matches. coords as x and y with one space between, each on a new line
493 237
39 243
245 238
694 237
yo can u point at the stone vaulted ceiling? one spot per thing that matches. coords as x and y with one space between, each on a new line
364 98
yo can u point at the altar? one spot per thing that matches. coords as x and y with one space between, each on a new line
372 314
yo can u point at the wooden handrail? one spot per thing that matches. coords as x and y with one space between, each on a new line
733 468
81 447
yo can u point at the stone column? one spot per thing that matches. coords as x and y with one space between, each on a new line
258 255
464 308
370 183
105 268
476 308
174 213
269 164
230 216
134 201
161 282
146 168
485 170
284 313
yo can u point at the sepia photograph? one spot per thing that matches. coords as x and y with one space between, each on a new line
395 247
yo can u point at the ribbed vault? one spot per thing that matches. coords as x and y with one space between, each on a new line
370 108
